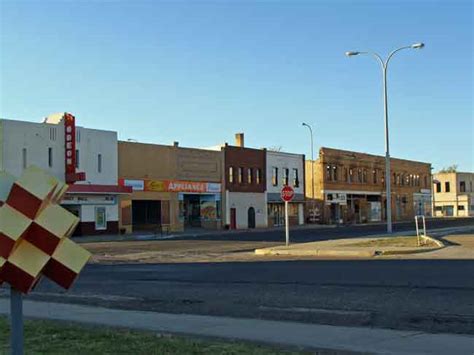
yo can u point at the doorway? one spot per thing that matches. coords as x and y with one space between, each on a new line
233 218
251 218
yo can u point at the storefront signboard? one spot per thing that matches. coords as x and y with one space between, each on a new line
172 186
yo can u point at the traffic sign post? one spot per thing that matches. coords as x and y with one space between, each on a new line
287 194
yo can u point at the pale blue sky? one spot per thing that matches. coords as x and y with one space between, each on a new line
197 72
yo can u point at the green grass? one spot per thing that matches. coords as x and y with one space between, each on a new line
406 242
48 337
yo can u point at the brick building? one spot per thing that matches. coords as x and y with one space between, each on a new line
349 187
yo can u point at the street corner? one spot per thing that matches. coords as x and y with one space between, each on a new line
358 247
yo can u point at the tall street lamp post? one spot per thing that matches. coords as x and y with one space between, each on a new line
312 162
384 65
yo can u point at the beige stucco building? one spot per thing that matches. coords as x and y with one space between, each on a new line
173 187
453 194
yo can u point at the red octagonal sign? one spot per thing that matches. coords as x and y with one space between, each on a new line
287 193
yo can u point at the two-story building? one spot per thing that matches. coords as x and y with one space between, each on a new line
349 187
453 194
84 158
174 188
244 181
285 169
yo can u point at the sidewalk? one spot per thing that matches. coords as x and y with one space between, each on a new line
313 336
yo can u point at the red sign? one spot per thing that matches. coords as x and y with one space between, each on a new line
287 193
70 143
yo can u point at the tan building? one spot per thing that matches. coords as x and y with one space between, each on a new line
349 187
173 187
453 194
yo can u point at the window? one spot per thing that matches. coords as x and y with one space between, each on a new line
275 176
50 157
460 208
286 177
241 175
425 181
359 175
438 187
328 173
374 176
447 187
24 158
470 186
231 174
351 175
77 158
364 175
296 181
346 175
334 172
250 175
462 186
100 218
99 163
52 133
258 176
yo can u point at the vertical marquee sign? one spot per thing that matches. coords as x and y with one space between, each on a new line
70 151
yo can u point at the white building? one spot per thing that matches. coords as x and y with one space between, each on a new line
453 194
84 158
285 169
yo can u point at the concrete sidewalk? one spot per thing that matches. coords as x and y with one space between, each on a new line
381 341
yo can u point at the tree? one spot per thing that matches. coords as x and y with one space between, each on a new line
276 148
450 169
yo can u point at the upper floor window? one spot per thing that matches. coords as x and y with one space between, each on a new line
249 176
77 158
438 187
425 181
296 180
275 176
351 175
258 176
462 186
364 176
50 157
331 172
286 178
470 186
359 175
99 163
447 188
24 158
241 175
231 174
346 175
374 176
328 173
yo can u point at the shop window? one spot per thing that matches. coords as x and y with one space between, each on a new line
50 157
258 175
438 187
241 175
462 186
275 176
249 176
447 188
286 177
296 181
100 218
231 174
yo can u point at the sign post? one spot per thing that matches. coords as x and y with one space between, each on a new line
287 194
16 315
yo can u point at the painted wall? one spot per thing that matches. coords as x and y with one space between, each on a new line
242 201
462 202
285 161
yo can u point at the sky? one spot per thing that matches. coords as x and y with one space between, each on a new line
198 72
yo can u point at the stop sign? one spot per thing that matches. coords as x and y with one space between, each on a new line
287 193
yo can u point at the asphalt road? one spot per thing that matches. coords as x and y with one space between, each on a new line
303 235
428 295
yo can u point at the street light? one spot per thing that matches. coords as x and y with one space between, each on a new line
312 161
384 65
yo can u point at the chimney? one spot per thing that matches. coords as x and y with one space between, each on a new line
175 144
239 140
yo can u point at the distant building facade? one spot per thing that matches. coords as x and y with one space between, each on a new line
84 158
349 187
285 169
174 188
453 194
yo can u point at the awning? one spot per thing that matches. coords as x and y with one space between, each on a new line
99 189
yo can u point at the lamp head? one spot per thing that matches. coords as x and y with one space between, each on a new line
417 45
352 53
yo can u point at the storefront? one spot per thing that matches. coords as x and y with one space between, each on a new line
172 205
